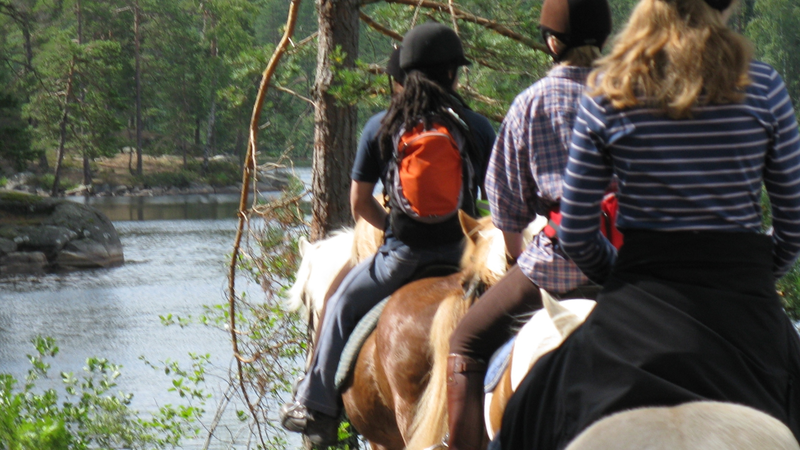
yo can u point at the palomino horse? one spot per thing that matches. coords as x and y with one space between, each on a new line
392 369
385 392
703 425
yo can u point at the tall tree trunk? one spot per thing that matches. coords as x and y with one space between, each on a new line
183 151
196 136
63 132
212 113
335 125
212 119
138 76
87 170
26 26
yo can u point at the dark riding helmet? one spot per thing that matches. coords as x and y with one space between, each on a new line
719 5
576 22
393 66
431 45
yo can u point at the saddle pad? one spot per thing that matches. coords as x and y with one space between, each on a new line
497 365
355 341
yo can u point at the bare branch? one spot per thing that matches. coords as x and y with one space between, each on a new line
293 93
469 17
379 28
249 168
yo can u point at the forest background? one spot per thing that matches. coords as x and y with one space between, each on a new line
86 80
94 78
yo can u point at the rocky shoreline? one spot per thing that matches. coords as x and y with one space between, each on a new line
267 182
39 234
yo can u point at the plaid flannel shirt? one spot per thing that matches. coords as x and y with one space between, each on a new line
526 170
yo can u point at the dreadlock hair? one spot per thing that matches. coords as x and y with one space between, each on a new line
427 95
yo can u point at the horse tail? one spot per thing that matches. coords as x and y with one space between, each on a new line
430 419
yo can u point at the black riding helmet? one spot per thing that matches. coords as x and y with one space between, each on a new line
431 45
719 5
393 67
576 22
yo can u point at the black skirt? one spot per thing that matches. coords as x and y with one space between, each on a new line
683 317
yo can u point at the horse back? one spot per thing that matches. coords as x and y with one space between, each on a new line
393 365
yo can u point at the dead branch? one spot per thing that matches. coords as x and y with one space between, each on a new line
379 28
468 17
293 93
249 168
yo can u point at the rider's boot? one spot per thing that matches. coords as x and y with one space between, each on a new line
465 403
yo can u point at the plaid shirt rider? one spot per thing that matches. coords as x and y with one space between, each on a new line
526 170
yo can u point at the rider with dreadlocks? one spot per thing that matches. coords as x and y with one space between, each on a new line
430 57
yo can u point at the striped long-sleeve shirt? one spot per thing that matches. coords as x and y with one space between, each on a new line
700 173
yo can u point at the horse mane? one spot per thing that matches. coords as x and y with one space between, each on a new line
484 253
481 263
430 418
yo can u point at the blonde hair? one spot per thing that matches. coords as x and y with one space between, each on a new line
583 56
671 52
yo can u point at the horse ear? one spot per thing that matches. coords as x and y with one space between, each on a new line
564 320
303 245
468 224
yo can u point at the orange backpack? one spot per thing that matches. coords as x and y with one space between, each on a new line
430 174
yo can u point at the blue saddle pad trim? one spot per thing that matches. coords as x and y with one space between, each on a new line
355 341
497 365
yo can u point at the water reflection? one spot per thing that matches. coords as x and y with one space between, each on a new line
170 207
172 267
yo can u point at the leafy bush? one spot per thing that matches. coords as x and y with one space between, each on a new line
90 416
3 182
223 173
179 179
44 181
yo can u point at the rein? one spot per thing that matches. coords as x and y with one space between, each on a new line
474 289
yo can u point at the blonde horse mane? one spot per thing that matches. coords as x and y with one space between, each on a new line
430 419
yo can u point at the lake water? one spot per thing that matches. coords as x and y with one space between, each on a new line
175 262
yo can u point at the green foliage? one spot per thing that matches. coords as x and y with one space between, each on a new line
180 179
44 181
92 414
773 27
14 133
223 173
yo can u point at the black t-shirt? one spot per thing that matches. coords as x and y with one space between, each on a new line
369 167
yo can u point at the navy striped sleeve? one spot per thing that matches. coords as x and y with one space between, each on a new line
587 177
782 172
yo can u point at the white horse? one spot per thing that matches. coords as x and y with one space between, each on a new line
690 426
324 265
703 425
